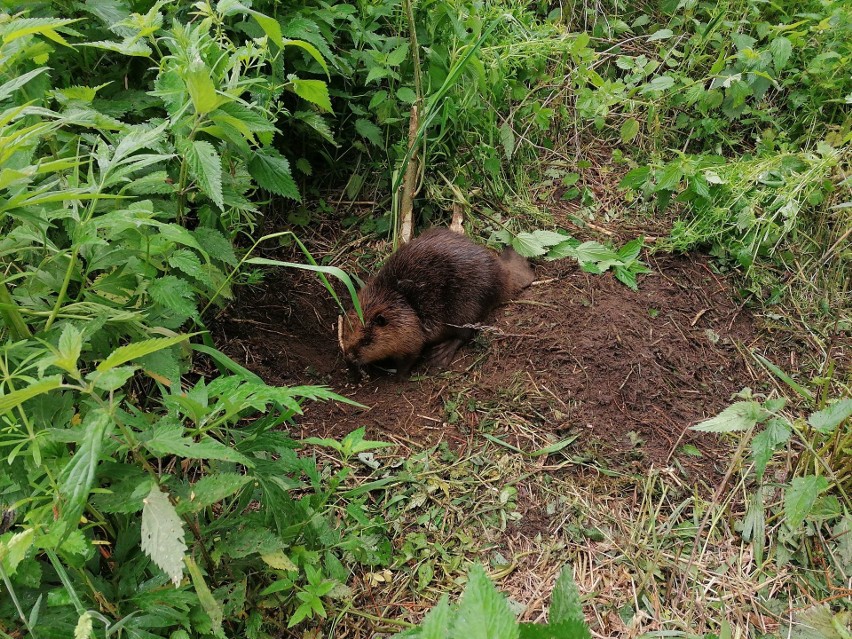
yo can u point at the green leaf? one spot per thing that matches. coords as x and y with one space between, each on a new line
70 345
669 177
188 262
767 441
15 398
826 420
660 83
136 350
163 534
168 439
112 379
507 138
271 171
205 166
404 94
8 88
212 489
781 49
636 178
754 525
368 130
565 601
78 475
316 121
528 245
312 51
398 55
173 294
314 91
561 630
736 417
629 129
202 91
436 624
662 34
800 497
483 612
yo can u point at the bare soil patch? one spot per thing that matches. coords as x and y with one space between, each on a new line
577 354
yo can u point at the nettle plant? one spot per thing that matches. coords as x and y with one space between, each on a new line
137 496
804 502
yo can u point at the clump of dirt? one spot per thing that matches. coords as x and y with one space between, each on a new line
576 354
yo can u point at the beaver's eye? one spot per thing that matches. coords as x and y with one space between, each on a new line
380 320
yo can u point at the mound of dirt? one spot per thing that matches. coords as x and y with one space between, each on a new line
576 354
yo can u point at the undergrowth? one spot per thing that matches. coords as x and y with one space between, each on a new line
150 488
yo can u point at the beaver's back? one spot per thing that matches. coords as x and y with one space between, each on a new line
445 278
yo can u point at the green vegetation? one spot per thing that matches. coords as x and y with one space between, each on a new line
149 484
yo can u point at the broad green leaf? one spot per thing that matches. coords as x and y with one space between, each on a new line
662 34
636 179
15 398
781 49
483 612
271 27
736 417
507 138
279 561
767 441
398 55
14 550
202 91
436 624
163 534
112 379
565 601
561 630
317 123
312 51
660 83
669 177
136 350
596 253
528 245
173 294
404 94
629 129
314 91
206 167
168 439
369 130
800 497
212 489
188 262
70 345
829 418
21 27
271 171
8 88
78 475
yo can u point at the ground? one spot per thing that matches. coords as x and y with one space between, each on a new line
609 379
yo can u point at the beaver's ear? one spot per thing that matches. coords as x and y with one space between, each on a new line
380 320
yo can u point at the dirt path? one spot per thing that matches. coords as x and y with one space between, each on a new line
579 354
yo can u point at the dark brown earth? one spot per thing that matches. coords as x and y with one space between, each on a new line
578 354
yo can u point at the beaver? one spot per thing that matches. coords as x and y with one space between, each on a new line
426 297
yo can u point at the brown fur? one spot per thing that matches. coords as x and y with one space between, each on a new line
424 296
